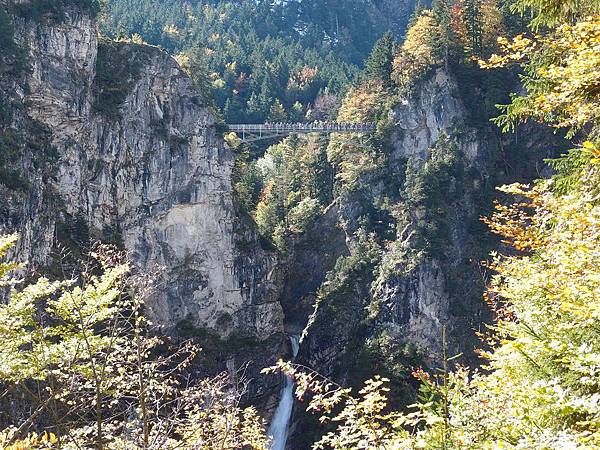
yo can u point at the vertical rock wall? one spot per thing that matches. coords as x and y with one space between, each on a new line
139 158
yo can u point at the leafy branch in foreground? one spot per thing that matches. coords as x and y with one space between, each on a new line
362 422
561 76
95 376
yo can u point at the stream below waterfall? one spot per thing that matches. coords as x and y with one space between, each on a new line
278 430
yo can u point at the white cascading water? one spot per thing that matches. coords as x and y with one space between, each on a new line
278 429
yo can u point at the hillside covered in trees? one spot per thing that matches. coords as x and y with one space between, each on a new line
439 278
265 60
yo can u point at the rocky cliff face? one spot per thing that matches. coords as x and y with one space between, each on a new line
383 307
407 293
416 301
445 165
137 159
435 277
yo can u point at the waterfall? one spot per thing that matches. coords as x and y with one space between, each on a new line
281 419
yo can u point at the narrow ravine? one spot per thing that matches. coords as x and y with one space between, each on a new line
278 430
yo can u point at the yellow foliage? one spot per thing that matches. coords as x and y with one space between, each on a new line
31 442
171 30
519 224
564 79
183 59
233 140
488 25
86 352
416 56
346 152
6 242
362 104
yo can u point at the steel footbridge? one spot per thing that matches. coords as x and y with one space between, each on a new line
257 132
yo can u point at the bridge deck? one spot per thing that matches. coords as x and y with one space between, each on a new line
313 127
251 132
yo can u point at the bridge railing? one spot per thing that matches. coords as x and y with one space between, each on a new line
311 127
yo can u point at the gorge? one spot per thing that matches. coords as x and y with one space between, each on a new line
367 247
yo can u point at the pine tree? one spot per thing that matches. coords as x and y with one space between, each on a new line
277 112
232 112
473 22
265 97
254 109
198 69
442 14
379 63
